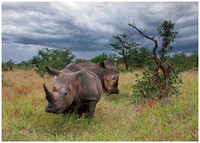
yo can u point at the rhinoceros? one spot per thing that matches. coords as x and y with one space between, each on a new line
107 73
74 89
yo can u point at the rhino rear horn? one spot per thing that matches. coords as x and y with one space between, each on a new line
52 71
49 96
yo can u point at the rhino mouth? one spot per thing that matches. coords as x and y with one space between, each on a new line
53 110
113 91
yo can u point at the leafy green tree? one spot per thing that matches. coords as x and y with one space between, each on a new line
123 45
167 34
8 65
183 62
55 58
179 61
110 57
77 61
25 65
140 57
194 59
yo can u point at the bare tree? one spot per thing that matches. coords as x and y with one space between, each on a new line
167 34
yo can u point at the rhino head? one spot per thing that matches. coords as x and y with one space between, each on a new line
110 77
62 91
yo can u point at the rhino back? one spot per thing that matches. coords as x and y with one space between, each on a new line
89 86
72 67
95 68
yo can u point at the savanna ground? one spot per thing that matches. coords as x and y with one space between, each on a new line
24 117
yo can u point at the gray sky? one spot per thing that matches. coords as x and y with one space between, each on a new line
88 28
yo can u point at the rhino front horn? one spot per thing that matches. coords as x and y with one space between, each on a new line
49 96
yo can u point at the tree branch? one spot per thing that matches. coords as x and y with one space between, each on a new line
150 38
134 27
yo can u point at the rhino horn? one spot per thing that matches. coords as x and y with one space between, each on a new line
49 96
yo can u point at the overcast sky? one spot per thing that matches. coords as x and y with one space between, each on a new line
88 28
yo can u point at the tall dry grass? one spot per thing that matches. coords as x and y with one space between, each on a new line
24 118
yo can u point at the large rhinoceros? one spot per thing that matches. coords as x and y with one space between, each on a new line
74 89
107 73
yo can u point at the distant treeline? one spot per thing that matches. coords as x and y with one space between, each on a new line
137 58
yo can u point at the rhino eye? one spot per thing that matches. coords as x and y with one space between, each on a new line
65 93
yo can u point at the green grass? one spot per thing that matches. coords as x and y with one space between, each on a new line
24 117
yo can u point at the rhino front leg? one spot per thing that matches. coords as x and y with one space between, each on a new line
81 110
91 109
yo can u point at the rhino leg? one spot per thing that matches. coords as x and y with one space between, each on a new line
81 110
91 109
69 111
80 113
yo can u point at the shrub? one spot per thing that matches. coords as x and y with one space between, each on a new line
147 87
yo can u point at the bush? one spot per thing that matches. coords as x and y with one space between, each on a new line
147 87
4 67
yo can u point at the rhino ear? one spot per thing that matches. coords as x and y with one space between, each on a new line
102 65
52 71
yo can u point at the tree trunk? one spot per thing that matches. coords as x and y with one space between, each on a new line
158 64
126 63
37 66
156 74
125 59
11 68
167 78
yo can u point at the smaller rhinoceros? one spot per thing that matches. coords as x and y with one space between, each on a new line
107 74
74 89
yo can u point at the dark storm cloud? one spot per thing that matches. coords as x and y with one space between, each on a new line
88 28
